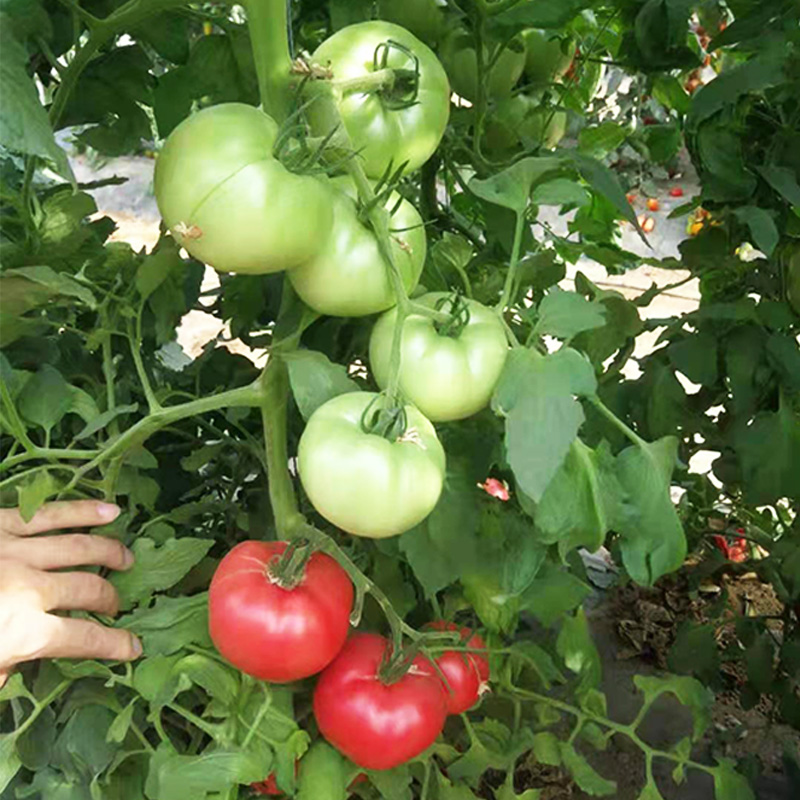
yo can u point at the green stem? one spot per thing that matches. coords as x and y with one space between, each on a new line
371 82
108 375
512 266
40 706
135 341
606 412
243 397
274 407
49 455
268 24
20 432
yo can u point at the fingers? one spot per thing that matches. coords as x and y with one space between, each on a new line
59 516
67 550
78 638
71 591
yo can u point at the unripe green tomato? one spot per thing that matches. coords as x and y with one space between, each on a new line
363 483
322 774
457 52
793 280
383 133
445 377
547 56
230 202
349 277
523 120
424 18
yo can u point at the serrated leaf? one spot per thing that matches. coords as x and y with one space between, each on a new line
560 192
600 140
696 697
32 493
156 267
553 593
541 14
566 314
219 681
584 774
784 181
762 227
511 188
9 759
547 749
100 421
653 542
46 398
157 568
315 379
171 624
576 646
729 784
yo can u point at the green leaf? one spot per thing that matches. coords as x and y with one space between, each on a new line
536 396
45 399
784 181
13 688
729 784
541 14
9 760
155 679
576 647
81 750
32 493
581 501
219 681
662 141
99 422
762 227
669 91
315 380
157 568
758 73
560 192
547 749
156 267
759 658
511 188
584 774
566 314
393 784
178 777
323 774
607 185
695 651
599 140
653 542
696 357
769 450
53 283
121 725
24 125
553 593
689 691
450 791
531 656
171 624
650 792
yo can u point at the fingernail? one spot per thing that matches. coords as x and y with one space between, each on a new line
127 558
107 511
137 647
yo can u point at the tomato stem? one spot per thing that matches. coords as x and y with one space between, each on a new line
267 21
289 569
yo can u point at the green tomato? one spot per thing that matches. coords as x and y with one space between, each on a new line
424 18
457 52
229 202
363 483
349 277
547 56
524 120
382 132
445 377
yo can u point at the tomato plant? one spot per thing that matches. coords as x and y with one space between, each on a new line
278 619
378 723
215 182
433 388
450 372
366 483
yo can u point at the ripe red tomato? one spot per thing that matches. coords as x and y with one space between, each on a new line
676 191
267 787
466 673
653 204
273 633
378 725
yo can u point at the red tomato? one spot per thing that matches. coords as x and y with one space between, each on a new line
267 787
466 673
378 725
653 204
272 633
676 191
630 197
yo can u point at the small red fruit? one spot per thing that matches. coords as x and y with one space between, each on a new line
630 197
676 191
648 226
267 787
495 488
653 204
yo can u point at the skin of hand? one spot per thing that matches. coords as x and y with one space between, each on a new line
30 589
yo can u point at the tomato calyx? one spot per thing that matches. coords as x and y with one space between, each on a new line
403 90
459 315
388 421
397 662
288 570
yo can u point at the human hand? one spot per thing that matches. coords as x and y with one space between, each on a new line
29 590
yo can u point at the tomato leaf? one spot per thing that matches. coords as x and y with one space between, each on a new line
547 748
653 541
511 188
762 227
576 647
729 784
541 14
33 491
157 568
696 697
584 774
600 140
566 314
536 396
10 762
315 380
553 593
